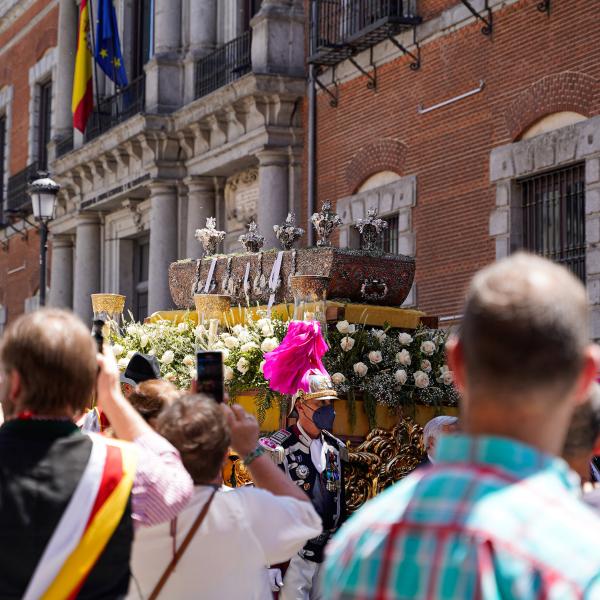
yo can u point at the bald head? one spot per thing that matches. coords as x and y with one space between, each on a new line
524 328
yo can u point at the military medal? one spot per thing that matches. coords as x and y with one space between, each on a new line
332 473
302 471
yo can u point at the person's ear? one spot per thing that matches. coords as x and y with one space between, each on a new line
15 386
456 362
588 374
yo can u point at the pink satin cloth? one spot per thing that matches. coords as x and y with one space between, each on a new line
300 354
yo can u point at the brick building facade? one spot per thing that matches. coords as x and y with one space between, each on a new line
519 109
28 34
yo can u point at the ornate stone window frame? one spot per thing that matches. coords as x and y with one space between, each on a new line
396 198
558 148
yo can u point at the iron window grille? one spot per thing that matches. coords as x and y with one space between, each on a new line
345 27
126 103
64 145
18 200
554 216
226 64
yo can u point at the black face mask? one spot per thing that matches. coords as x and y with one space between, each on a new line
324 417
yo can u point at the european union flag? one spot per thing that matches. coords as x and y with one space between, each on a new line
108 46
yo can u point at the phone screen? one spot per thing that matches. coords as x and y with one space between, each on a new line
209 366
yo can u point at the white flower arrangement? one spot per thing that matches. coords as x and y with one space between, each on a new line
347 344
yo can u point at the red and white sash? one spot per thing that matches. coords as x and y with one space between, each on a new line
90 519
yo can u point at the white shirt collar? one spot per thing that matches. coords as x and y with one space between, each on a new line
304 437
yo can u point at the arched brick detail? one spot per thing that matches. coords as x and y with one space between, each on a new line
568 91
384 155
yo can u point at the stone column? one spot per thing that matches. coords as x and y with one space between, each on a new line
201 205
273 185
163 244
278 38
202 35
87 264
61 272
164 72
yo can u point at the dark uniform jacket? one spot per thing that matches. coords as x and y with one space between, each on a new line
291 451
41 463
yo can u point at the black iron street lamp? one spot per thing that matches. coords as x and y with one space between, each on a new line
43 192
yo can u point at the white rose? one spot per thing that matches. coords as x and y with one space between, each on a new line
428 348
193 373
130 354
151 352
168 357
131 330
351 329
245 336
189 360
261 367
403 358
123 362
400 376
231 342
267 329
225 353
243 365
118 350
269 345
347 344
200 331
182 326
237 329
379 335
426 366
228 373
405 339
248 346
343 326
338 378
360 369
144 340
421 379
375 357
448 377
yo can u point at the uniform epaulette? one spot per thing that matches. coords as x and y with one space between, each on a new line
343 449
273 445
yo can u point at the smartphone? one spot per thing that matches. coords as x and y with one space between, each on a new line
97 334
209 366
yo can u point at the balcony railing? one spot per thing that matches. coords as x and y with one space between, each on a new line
17 197
224 65
111 111
346 27
64 145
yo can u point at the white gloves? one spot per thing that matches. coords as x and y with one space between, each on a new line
275 579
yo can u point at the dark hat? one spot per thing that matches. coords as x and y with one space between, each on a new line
141 367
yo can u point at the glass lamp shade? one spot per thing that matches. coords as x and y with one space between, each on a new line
43 192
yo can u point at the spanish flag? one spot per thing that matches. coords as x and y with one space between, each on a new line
83 93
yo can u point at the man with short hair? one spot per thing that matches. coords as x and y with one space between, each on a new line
69 500
433 429
244 530
498 516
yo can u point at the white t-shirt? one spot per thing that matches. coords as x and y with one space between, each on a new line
245 530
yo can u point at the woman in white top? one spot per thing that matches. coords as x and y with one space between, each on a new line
243 531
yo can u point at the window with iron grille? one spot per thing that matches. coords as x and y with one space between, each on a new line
2 161
389 239
142 37
554 216
44 124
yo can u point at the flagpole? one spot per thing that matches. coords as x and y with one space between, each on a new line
93 38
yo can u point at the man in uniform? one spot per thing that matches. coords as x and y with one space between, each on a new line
314 459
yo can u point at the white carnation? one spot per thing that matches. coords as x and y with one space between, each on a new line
338 378
189 360
403 358
248 346
245 336
401 376
243 365
231 342
228 373
225 353
168 357
428 348
426 366
151 352
347 344
360 369
118 350
375 357
405 339
193 373
237 329
267 328
448 377
343 326
269 345
421 379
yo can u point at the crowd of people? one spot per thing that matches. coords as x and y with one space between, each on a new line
127 500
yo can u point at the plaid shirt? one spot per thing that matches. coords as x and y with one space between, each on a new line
493 519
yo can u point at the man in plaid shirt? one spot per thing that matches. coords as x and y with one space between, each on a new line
498 516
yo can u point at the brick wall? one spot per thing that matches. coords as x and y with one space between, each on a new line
20 49
532 66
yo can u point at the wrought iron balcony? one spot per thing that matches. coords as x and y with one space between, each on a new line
17 198
126 103
224 65
343 28
64 145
